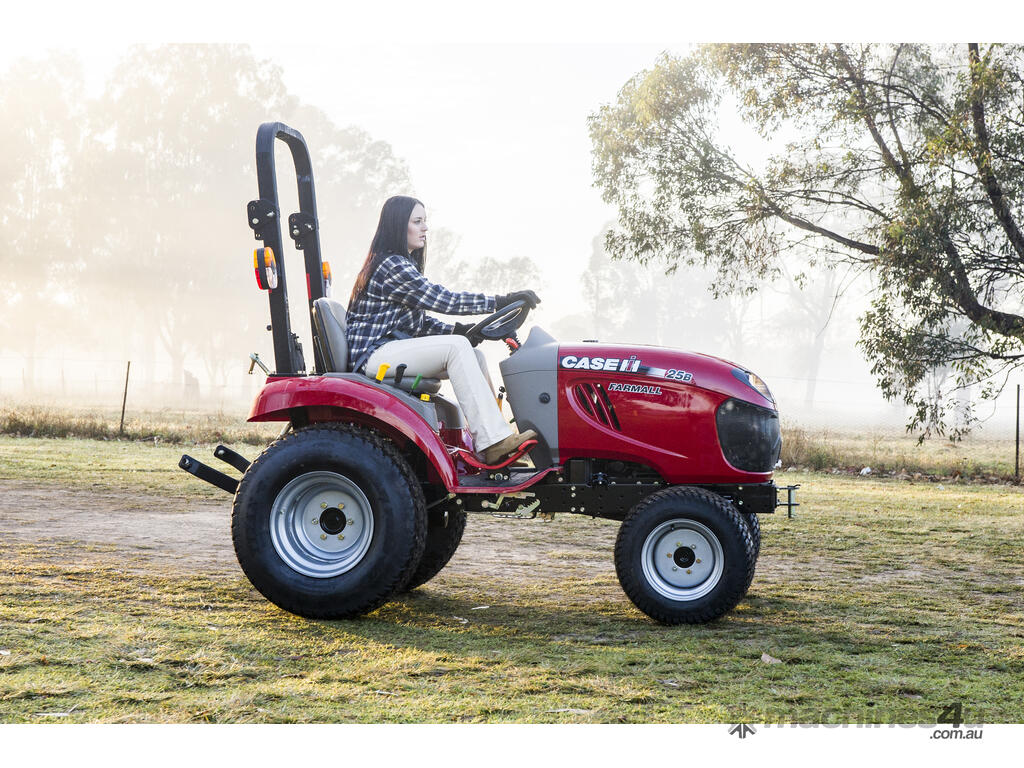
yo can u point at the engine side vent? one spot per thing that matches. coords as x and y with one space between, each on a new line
595 401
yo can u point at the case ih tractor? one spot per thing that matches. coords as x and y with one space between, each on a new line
365 494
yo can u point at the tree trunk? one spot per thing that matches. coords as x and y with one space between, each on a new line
813 368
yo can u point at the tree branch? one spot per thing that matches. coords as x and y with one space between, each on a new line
983 157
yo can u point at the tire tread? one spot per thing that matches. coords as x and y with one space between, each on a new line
632 580
388 451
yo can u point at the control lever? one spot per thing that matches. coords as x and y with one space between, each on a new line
255 357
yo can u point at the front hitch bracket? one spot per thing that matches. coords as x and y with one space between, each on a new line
208 474
790 501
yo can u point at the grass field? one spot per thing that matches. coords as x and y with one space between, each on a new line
883 600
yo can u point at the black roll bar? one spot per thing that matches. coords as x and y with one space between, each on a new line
265 219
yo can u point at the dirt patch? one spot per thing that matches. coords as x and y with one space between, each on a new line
146 530
195 535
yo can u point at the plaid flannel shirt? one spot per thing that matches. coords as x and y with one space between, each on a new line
394 300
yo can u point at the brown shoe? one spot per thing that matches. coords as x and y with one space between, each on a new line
493 454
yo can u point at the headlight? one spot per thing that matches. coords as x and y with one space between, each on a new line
749 435
753 381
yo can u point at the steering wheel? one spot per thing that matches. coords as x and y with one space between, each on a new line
502 324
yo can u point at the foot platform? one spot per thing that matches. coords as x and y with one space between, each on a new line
470 458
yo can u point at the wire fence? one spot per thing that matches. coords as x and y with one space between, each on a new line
101 381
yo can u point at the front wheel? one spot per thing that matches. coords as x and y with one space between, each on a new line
684 556
329 521
754 524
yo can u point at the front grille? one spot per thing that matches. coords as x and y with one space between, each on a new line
749 435
596 403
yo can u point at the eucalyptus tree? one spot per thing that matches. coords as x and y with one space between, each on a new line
41 103
904 161
167 171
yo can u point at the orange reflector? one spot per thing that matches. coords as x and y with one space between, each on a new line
326 269
265 265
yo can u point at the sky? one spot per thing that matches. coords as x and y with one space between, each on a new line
495 135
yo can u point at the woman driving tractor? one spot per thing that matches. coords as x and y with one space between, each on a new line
387 324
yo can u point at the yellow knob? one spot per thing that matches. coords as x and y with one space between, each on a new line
425 397
382 371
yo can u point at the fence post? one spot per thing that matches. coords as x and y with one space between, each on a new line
124 400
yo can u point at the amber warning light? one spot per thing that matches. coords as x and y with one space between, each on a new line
265 264
326 269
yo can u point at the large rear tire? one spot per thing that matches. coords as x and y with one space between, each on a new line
444 533
684 556
329 521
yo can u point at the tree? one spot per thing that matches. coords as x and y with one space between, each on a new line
902 160
675 309
163 185
40 101
813 300
483 275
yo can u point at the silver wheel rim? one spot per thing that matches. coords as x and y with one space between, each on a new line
682 560
321 524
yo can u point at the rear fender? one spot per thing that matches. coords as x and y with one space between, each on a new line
324 399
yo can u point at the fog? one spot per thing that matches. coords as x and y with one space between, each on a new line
123 233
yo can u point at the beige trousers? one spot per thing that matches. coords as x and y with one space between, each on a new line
450 357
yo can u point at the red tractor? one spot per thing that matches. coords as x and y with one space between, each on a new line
365 494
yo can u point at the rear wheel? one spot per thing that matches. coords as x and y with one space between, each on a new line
328 522
684 555
444 533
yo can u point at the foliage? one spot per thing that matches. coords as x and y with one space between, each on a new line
139 195
673 310
900 160
42 104
173 427
479 274
172 141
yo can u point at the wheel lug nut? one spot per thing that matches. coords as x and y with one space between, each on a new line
668 554
678 544
698 559
351 522
341 537
314 521
674 568
323 505
323 536
688 570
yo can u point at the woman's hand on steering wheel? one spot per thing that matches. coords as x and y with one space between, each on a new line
500 324
531 298
466 329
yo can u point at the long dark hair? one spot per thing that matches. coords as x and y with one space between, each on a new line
392 236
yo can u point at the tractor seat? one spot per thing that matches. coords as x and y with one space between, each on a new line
329 320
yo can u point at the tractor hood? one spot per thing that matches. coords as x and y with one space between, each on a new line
641 365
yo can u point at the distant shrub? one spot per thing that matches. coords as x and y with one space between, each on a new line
38 421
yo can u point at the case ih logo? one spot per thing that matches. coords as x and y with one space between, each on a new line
632 365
